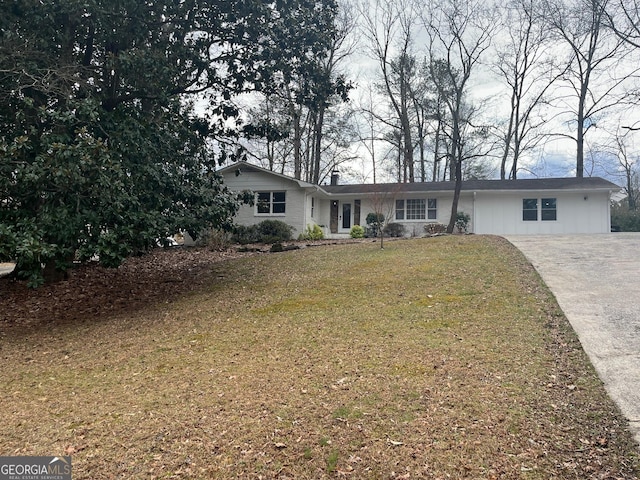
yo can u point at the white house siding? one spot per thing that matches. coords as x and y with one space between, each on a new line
412 227
257 181
501 213
323 214
494 206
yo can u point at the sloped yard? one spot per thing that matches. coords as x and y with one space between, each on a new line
433 358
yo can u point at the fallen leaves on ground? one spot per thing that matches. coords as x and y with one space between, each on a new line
92 291
434 359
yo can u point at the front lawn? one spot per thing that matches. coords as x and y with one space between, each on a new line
433 358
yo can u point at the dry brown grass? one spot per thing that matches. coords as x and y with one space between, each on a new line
436 358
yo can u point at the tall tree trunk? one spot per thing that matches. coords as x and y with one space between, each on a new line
631 193
317 151
436 153
507 142
456 166
580 141
406 131
517 142
297 147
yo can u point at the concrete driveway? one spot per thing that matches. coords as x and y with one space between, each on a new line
596 280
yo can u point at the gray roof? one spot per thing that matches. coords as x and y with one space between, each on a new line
240 167
587 183
571 183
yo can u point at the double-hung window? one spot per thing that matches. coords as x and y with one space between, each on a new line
432 209
415 209
545 209
548 212
270 203
399 209
530 209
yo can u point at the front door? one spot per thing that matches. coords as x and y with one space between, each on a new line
346 216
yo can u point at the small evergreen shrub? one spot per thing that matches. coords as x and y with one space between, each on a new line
312 232
625 220
462 221
356 232
273 231
375 221
394 230
244 235
267 231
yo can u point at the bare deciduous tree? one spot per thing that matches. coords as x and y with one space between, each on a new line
368 127
623 18
592 80
389 29
523 64
459 32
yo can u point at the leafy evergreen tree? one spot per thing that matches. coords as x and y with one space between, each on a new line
101 151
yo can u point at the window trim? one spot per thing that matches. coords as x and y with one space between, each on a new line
272 203
417 210
399 209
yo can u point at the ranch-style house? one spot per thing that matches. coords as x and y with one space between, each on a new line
501 207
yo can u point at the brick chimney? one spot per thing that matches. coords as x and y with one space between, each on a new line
335 176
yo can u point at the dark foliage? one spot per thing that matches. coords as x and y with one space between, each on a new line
273 231
624 219
101 150
267 231
394 230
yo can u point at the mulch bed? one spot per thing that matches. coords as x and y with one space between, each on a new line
92 290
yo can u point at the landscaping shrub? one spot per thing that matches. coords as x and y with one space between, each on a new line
394 230
374 224
214 239
267 231
434 228
357 232
312 232
245 234
624 219
273 231
462 221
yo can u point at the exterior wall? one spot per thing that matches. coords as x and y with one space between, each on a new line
412 227
498 213
323 214
297 209
577 212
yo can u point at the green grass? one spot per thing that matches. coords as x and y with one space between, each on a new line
432 358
